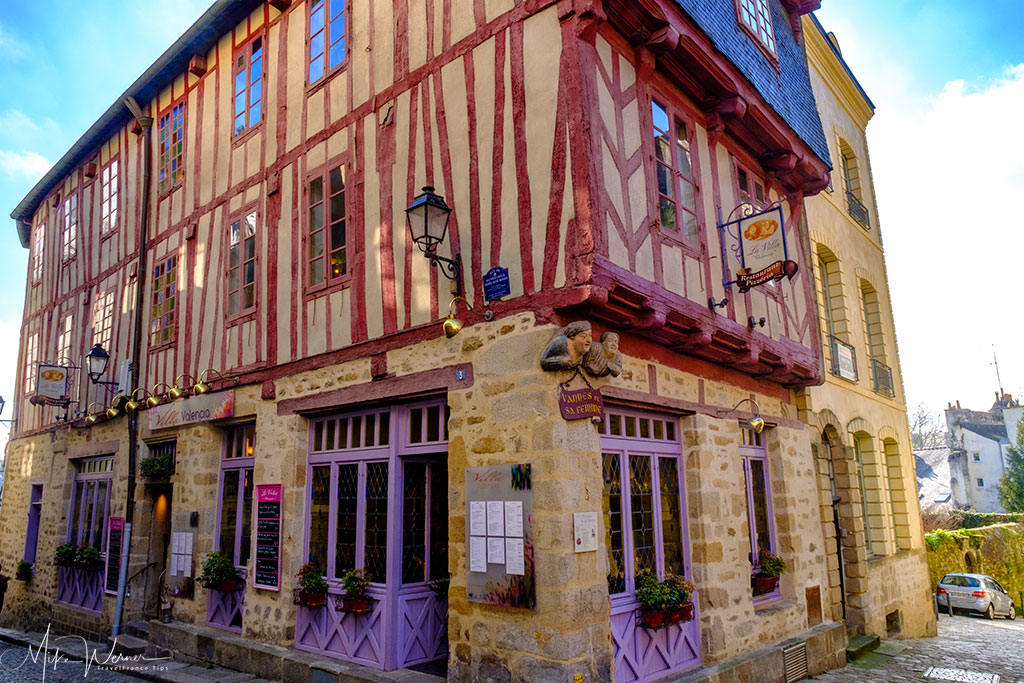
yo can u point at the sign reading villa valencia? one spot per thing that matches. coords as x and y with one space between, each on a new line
193 409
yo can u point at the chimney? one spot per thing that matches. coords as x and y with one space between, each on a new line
958 405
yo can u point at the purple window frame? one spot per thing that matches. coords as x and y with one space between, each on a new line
626 447
757 451
78 500
243 465
35 508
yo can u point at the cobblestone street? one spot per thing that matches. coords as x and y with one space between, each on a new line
968 643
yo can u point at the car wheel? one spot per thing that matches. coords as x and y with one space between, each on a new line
1013 613
990 613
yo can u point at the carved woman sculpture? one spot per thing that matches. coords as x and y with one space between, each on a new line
567 348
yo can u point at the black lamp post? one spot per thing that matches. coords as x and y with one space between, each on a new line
96 362
428 223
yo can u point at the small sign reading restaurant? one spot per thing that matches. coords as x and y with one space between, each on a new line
194 409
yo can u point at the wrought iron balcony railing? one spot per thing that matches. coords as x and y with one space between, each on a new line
858 210
843 359
881 379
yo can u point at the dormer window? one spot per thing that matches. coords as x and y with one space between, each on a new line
756 17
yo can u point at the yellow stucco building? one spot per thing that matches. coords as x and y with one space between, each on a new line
879 580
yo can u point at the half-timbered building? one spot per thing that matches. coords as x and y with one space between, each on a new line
232 232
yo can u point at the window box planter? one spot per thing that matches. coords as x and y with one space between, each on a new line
310 598
766 584
356 605
64 556
683 612
652 618
88 558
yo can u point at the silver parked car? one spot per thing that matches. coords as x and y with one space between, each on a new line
976 593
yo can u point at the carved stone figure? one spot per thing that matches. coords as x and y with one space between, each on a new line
567 348
604 357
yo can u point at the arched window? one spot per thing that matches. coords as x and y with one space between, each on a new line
852 185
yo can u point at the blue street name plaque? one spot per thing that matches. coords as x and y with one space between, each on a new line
496 283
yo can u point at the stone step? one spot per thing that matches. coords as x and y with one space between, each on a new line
138 628
128 645
860 646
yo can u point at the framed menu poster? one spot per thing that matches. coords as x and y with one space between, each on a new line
268 536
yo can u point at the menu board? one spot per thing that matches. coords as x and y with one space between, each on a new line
268 536
115 539
499 501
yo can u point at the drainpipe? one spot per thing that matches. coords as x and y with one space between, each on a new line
136 352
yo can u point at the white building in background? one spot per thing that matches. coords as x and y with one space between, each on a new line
978 443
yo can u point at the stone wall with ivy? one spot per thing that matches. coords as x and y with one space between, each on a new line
996 550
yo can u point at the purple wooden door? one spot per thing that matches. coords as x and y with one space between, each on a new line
645 524
80 588
377 501
224 608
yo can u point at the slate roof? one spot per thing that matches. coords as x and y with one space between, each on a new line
788 90
991 432
933 478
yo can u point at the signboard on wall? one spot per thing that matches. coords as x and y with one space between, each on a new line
758 240
268 536
499 538
51 385
115 540
193 409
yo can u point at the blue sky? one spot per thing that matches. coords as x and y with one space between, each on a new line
947 152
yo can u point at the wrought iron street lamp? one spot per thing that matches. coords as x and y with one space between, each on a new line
96 362
755 421
427 217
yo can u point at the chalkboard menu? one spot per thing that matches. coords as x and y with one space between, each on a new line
115 539
268 536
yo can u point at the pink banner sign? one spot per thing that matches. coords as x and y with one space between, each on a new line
268 536
194 409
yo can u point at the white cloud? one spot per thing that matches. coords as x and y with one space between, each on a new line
24 164
12 48
948 181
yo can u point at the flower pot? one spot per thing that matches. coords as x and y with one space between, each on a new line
88 566
312 599
673 615
653 618
23 576
355 605
228 585
66 563
686 611
766 584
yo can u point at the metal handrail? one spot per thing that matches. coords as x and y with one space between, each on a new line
881 378
837 369
858 210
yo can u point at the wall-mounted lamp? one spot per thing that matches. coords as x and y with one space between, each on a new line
452 325
96 363
202 387
116 404
755 322
177 391
755 422
156 397
92 418
427 217
134 403
2 404
712 304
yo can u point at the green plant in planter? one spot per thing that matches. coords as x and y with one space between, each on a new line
88 557
355 582
219 572
312 587
156 467
654 596
772 565
65 554
23 572
680 590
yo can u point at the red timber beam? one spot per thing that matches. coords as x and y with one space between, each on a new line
729 100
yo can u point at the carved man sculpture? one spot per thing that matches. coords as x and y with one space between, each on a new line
567 348
604 357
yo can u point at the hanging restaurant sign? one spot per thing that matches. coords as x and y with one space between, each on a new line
758 241
193 409
51 385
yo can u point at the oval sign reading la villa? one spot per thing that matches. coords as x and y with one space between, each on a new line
579 404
